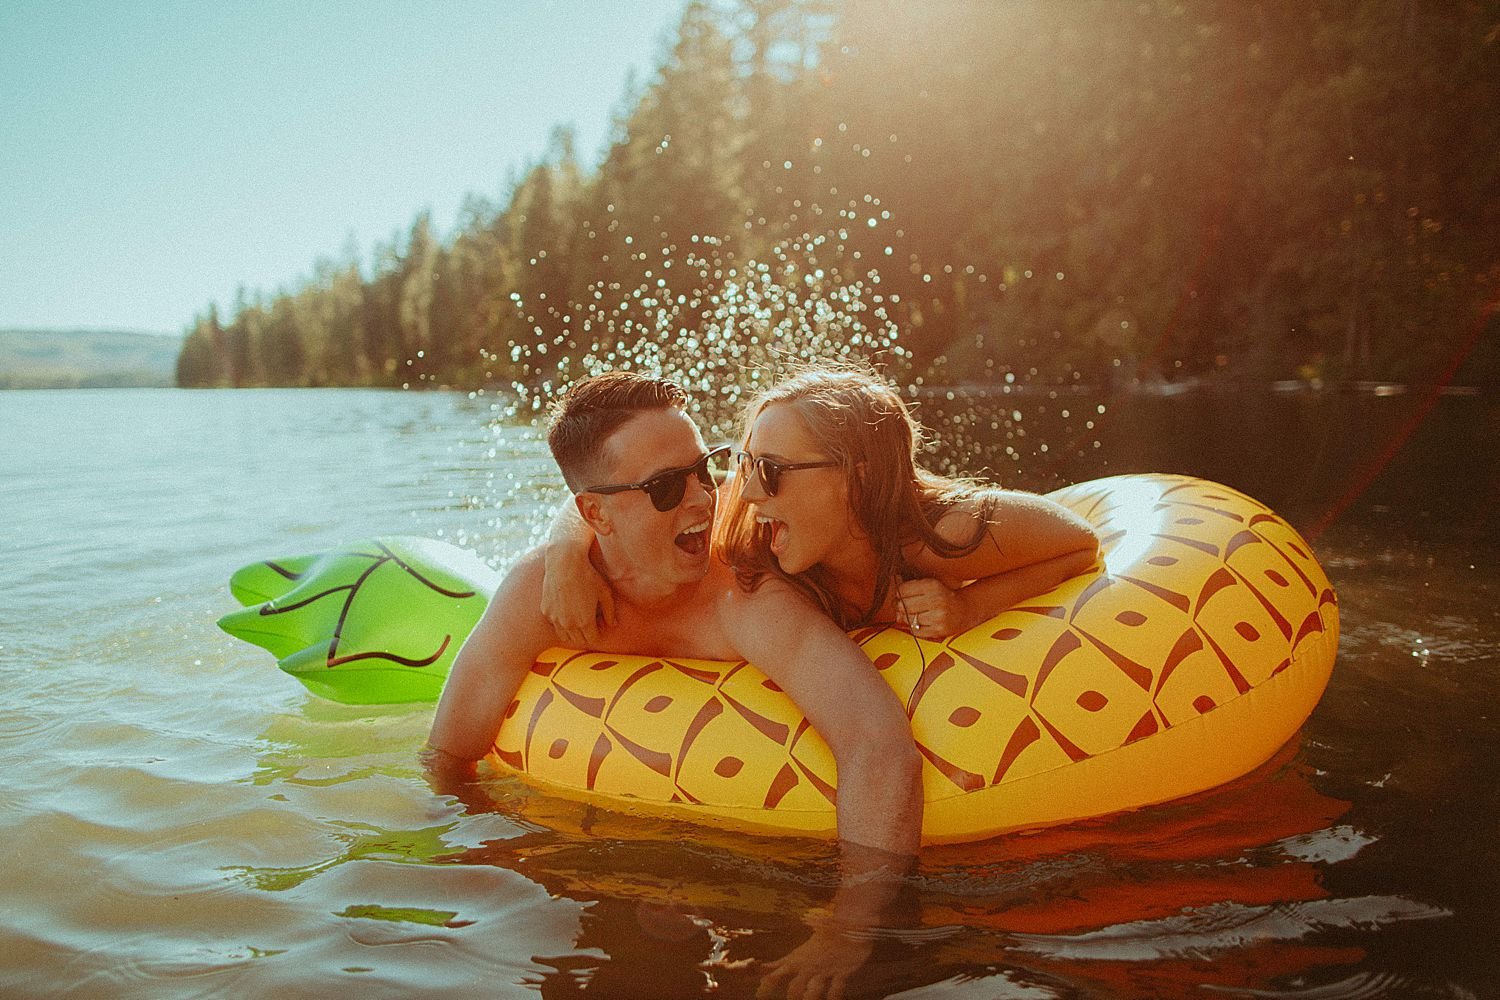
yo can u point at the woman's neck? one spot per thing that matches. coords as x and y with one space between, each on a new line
854 575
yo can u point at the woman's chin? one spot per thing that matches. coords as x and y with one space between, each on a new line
791 563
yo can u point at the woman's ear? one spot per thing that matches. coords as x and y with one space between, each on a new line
591 509
857 479
854 497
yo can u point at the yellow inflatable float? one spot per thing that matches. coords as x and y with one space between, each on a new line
1187 658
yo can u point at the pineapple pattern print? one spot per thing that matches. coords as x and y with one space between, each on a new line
1187 657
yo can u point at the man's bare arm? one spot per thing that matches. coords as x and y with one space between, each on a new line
847 702
879 777
487 673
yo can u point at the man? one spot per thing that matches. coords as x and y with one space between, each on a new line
639 473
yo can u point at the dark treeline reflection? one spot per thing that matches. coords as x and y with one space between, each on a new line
1078 192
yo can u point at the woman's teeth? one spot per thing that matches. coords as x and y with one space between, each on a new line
778 532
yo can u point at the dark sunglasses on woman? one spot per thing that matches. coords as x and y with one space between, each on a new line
666 489
769 470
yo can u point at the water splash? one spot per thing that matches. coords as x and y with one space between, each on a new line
719 327
723 317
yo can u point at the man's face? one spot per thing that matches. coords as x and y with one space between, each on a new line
662 546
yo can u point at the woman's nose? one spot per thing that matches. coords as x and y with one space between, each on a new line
750 488
749 483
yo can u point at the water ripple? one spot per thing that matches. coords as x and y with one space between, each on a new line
1222 926
1326 846
1360 986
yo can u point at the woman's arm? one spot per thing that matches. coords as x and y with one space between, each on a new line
575 596
1029 545
932 610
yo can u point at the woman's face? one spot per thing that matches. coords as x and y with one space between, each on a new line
808 520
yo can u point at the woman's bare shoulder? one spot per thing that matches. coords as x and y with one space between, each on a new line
1009 519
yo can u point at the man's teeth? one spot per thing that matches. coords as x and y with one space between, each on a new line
695 529
762 519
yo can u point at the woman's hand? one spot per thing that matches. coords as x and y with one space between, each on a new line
575 595
930 609
575 598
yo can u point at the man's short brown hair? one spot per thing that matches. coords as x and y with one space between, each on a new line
592 409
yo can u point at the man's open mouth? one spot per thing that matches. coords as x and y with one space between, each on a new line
694 541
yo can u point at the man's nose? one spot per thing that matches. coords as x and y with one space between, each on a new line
698 495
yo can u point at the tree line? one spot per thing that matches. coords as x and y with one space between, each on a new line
1070 192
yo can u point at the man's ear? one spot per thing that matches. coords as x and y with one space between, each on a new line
591 509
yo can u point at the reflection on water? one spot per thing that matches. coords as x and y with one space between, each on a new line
183 820
1233 875
1224 889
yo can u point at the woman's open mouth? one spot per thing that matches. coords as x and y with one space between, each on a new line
776 533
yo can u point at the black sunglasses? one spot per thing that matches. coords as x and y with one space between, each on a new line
769 470
666 489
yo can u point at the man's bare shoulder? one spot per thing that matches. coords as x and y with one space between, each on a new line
529 567
771 602
520 590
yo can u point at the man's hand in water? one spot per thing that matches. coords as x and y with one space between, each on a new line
876 892
453 776
819 968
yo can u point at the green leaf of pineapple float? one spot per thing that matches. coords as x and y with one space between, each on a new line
370 623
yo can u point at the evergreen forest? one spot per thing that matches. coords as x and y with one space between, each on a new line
1085 192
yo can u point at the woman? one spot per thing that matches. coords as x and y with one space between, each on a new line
829 497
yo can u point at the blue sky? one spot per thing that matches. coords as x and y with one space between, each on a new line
156 155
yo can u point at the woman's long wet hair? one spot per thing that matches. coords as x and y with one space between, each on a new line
860 421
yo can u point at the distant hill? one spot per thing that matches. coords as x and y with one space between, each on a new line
85 359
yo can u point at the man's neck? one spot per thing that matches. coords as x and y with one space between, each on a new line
641 591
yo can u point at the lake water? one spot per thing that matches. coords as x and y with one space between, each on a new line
180 819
